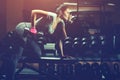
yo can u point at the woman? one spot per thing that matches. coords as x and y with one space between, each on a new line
51 24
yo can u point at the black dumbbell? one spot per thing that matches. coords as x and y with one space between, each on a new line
77 43
68 43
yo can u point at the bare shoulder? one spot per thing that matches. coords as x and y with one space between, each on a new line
52 14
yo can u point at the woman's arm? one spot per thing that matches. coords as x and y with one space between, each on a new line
40 12
34 15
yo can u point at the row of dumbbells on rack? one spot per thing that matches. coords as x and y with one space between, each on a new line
83 71
90 44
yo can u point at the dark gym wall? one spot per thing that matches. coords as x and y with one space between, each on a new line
2 18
